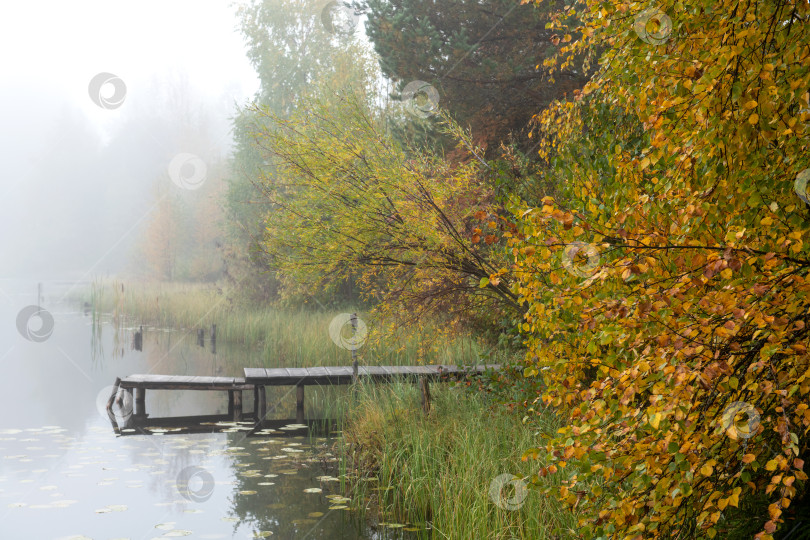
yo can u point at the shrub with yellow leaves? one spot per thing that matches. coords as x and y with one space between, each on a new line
668 282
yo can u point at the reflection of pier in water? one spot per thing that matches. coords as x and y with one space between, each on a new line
131 391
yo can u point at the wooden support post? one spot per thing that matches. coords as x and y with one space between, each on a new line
262 404
112 395
230 403
201 337
140 401
213 333
424 386
256 401
299 404
237 405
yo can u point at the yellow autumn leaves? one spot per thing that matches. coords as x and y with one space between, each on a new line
681 361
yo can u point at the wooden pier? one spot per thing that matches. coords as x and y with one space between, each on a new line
257 379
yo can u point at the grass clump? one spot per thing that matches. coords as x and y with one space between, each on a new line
442 473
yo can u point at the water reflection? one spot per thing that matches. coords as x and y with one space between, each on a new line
65 473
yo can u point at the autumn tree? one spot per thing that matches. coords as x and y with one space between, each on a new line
292 52
667 278
350 199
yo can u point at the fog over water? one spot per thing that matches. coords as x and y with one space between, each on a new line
79 179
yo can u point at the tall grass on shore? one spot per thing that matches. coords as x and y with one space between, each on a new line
439 471
287 337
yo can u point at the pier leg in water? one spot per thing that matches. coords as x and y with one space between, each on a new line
299 404
262 404
230 403
237 405
140 402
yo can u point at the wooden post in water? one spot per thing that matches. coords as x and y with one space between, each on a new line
201 337
137 339
230 403
299 403
237 405
113 394
140 401
262 405
214 338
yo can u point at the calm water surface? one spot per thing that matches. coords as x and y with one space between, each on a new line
65 474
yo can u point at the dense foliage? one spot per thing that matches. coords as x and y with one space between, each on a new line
667 280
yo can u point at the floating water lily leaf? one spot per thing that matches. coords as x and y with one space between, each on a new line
338 507
248 492
313 490
327 479
177 533
315 514
112 508
168 526
267 483
262 534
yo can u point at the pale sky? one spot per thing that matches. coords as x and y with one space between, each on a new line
55 47
49 52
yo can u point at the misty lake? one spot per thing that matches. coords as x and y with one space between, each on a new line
64 472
